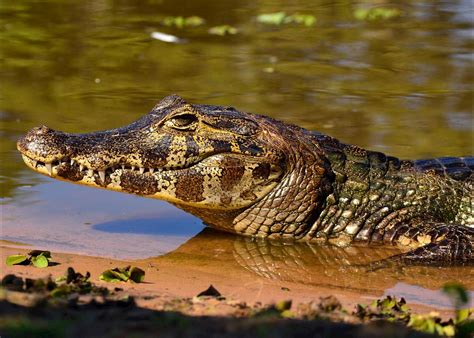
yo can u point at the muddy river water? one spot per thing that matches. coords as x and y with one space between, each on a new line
401 85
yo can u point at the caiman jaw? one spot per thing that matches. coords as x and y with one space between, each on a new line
53 168
204 157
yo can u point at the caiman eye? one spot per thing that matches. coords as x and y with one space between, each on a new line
182 122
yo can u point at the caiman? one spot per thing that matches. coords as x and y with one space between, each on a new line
255 176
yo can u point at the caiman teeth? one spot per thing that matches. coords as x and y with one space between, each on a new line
102 175
49 168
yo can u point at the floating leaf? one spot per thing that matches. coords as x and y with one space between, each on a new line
378 13
39 261
181 22
276 18
194 21
16 259
304 19
279 18
223 30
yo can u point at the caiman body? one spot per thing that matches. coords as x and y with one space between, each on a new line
252 175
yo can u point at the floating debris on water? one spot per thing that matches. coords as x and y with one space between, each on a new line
166 37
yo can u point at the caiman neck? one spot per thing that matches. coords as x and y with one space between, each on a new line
373 194
295 202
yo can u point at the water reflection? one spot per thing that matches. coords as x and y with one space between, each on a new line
60 216
315 266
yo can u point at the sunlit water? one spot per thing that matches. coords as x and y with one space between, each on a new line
402 86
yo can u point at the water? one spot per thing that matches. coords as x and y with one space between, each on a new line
401 86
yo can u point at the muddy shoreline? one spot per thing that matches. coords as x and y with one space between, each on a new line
167 301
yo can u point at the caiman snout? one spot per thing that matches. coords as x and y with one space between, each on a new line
43 144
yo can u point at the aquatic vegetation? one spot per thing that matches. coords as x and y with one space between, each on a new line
223 30
279 18
127 274
377 13
181 22
37 258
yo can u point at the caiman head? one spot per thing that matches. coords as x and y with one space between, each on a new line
237 171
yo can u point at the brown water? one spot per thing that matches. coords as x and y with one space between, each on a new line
402 86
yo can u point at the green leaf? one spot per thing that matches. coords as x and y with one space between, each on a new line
448 330
16 259
465 328
128 273
283 305
303 19
378 13
180 22
60 291
462 314
279 18
113 276
276 18
223 30
457 293
194 21
137 275
35 253
39 261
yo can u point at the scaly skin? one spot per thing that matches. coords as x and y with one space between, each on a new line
255 176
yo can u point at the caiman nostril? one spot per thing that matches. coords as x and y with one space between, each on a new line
40 130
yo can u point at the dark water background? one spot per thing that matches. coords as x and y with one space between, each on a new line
402 86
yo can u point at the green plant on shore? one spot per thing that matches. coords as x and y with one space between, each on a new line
37 258
463 322
127 274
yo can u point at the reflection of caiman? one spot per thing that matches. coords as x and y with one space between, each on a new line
255 176
307 263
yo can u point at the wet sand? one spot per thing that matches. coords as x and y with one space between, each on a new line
235 268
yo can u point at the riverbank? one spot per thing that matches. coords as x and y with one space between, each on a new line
167 300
